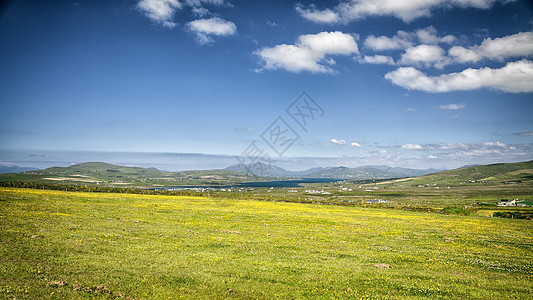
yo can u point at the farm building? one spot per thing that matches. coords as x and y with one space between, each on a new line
376 201
507 202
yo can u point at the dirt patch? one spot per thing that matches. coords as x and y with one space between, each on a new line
395 180
70 179
56 283
231 231
523 171
384 266
101 288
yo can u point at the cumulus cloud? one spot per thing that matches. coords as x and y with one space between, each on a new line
350 10
411 146
377 59
429 35
309 53
318 16
488 151
355 144
424 55
200 11
205 28
338 142
401 40
452 106
457 146
516 45
432 156
160 11
514 77
494 144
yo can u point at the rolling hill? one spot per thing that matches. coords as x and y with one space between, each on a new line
510 173
97 173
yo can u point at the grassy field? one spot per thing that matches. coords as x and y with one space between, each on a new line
73 245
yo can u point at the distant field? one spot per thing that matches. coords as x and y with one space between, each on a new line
404 194
171 247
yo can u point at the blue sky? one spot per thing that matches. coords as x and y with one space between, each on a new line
404 83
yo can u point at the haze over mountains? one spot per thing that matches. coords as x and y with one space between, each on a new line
259 169
341 172
15 169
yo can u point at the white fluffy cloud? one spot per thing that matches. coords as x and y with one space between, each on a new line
428 35
318 16
338 142
452 106
309 53
514 77
519 44
377 59
355 144
403 39
424 55
205 28
160 11
494 144
407 11
411 146
200 11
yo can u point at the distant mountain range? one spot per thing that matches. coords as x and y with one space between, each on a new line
94 173
15 169
364 172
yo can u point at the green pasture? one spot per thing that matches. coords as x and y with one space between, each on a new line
76 245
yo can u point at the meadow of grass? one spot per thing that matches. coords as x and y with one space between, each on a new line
105 245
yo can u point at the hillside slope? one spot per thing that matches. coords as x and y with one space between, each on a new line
96 173
510 173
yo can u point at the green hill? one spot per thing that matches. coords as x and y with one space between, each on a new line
510 173
99 173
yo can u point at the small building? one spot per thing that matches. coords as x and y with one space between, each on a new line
507 202
372 201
